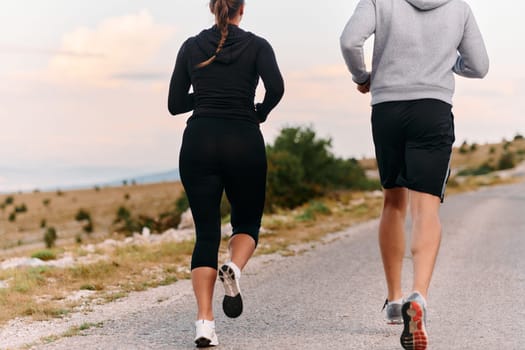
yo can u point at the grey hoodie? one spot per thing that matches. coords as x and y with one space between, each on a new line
418 46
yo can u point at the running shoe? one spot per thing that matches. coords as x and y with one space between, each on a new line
393 312
414 336
232 302
206 335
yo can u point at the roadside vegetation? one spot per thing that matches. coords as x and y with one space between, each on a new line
311 193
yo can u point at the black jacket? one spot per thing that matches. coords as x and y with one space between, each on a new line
226 87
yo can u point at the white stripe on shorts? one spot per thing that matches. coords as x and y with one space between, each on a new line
446 178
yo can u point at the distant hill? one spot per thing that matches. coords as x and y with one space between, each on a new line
167 176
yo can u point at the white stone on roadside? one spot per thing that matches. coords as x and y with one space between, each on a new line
186 220
265 231
3 285
168 235
178 235
90 248
109 243
139 238
357 202
375 194
226 230
21 262
79 295
66 261
146 232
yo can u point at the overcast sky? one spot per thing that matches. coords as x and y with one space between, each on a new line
84 83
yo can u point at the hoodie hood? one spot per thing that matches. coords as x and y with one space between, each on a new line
237 41
426 5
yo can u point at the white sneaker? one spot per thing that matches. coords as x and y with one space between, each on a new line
229 275
206 335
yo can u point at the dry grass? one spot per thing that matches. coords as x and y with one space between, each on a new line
486 153
42 292
62 207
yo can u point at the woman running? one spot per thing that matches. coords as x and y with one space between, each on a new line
223 149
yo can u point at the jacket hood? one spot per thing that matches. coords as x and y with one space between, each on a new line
427 4
237 41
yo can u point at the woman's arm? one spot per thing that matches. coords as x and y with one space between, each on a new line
179 100
273 81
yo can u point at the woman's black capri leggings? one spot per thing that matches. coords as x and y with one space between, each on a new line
222 154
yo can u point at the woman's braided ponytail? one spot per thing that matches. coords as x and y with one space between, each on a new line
224 10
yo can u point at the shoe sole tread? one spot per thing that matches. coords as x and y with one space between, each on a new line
414 336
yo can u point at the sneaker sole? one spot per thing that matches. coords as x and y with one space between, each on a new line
204 343
232 302
414 336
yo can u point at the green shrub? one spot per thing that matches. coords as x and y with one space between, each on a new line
128 224
285 181
301 167
182 204
46 202
45 255
43 223
89 287
12 217
123 214
518 137
311 211
50 237
82 215
9 200
483 169
88 227
172 218
506 161
22 208
464 148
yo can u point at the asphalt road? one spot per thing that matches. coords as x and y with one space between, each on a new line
330 297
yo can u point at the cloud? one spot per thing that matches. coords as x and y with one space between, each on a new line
100 55
141 76
323 91
21 50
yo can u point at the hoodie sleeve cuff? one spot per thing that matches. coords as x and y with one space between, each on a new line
261 115
362 79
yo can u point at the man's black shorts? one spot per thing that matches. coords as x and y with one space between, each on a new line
413 143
